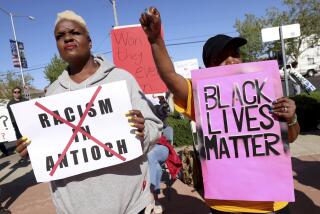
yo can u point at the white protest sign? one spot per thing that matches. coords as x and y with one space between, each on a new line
184 67
6 129
104 123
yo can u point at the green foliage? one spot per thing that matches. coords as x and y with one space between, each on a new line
181 129
250 29
54 69
9 81
304 12
308 110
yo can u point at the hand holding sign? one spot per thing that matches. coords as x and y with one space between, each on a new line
136 120
284 108
21 148
151 24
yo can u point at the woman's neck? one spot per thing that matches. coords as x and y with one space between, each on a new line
82 71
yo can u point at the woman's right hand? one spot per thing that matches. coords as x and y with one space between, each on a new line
21 146
151 23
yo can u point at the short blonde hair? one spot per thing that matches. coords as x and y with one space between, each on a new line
70 15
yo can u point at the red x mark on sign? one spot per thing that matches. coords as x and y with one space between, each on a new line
76 130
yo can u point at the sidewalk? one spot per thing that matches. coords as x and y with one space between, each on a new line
23 195
306 172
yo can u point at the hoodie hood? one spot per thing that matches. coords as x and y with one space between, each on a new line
103 71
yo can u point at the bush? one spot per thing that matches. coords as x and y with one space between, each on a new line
308 110
181 129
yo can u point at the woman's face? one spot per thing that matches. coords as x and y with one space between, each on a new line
228 56
73 41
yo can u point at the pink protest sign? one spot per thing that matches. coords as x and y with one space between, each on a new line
244 151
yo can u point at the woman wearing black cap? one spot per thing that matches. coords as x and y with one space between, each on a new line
218 50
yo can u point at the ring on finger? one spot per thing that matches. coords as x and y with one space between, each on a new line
285 109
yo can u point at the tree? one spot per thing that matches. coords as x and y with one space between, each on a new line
54 69
250 29
9 81
304 12
181 129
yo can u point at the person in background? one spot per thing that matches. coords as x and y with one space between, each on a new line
162 153
217 51
119 189
16 98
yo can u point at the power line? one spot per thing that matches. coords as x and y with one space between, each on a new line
198 36
107 52
185 43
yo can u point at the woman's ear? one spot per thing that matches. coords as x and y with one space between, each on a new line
90 42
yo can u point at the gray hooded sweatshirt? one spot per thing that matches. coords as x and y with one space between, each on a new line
120 189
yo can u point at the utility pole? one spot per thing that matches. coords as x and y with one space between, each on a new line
18 50
25 87
281 32
113 2
284 61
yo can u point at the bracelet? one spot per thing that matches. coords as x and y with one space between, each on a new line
294 121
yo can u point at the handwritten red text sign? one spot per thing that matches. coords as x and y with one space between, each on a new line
131 51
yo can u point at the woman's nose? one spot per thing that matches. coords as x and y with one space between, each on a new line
68 38
231 60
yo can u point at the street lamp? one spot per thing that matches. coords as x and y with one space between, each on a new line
113 2
16 42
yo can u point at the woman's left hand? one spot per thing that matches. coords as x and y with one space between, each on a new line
284 108
136 120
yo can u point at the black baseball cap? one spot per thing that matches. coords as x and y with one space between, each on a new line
215 45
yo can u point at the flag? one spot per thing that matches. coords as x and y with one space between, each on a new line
15 59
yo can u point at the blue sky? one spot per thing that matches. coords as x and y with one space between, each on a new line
194 20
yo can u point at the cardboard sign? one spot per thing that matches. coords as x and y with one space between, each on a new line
132 52
78 131
6 129
185 67
244 154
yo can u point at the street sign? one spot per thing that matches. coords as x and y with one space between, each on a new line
282 32
272 33
291 31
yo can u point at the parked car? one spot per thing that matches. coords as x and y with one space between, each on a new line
308 70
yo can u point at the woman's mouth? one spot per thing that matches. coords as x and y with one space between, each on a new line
70 47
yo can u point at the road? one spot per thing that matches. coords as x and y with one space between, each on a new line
23 195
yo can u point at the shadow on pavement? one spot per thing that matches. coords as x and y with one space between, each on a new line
4 165
19 164
182 204
12 190
312 132
303 204
307 172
